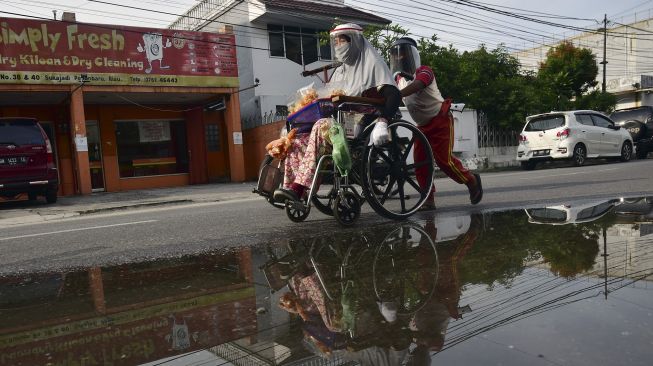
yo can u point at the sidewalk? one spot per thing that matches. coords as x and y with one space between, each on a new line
22 212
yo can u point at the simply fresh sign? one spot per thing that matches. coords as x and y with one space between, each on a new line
53 52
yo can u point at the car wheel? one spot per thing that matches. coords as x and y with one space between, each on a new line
528 165
580 155
51 196
626 151
31 196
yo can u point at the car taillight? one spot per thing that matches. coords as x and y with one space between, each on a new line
50 155
563 134
522 138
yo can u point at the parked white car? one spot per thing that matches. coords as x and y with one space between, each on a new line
576 135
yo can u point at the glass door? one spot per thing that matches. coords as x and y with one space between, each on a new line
95 156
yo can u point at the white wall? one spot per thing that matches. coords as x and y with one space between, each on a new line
465 132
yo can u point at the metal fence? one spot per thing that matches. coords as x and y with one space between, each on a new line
493 136
268 117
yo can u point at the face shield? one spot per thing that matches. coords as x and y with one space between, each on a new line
404 58
347 42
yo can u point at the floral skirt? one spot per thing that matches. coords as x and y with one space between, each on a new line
304 152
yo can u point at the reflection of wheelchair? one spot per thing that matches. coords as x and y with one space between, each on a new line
402 269
398 266
386 174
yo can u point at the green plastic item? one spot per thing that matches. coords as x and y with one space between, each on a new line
341 156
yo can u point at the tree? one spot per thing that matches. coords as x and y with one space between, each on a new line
571 71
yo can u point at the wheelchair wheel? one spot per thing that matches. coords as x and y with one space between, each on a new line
346 208
405 268
295 214
390 181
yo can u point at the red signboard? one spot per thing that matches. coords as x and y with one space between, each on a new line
57 52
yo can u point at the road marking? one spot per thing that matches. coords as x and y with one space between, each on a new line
78 229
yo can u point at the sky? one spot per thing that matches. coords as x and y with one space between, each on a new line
517 24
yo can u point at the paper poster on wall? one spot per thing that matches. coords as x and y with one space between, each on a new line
238 138
154 131
81 143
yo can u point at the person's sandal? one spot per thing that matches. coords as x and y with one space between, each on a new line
477 195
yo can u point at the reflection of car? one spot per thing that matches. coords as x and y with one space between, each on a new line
26 160
639 208
569 214
639 122
575 135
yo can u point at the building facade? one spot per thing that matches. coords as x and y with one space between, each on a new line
125 107
628 46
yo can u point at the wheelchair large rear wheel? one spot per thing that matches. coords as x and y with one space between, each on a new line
405 268
389 180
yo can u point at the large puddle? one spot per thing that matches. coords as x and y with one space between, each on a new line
558 285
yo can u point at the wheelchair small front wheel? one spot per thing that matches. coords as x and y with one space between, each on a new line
295 214
346 208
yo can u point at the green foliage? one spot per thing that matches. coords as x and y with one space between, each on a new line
597 101
382 37
571 71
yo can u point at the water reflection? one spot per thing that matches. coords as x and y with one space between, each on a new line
563 284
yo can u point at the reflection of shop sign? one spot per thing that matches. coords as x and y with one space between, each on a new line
154 131
51 52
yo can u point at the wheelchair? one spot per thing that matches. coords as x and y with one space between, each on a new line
383 176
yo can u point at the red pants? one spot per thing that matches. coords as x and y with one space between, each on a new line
439 133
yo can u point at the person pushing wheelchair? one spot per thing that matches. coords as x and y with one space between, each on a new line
432 115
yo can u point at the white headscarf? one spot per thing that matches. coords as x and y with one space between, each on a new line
363 68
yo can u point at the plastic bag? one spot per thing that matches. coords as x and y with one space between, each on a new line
341 156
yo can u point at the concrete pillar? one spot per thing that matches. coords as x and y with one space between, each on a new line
236 153
79 142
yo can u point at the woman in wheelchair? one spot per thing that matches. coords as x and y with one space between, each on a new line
363 72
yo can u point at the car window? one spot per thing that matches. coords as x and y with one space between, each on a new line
601 121
20 133
550 215
641 115
545 123
584 119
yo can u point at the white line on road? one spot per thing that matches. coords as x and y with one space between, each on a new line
78 229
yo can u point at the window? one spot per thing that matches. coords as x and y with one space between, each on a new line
601 121
151 147
212 138
545 123
300 45
584 119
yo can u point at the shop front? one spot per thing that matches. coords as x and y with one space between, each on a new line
126 108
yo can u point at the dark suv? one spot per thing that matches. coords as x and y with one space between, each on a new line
639 122
26 160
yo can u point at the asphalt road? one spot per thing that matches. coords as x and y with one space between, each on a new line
190 229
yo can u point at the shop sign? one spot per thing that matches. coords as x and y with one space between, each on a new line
57 52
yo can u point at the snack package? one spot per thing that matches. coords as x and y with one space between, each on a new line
303 97
279 147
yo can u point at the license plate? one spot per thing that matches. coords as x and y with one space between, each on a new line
15 160
541 152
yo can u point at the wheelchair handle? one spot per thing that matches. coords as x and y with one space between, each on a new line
321 69
364 100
